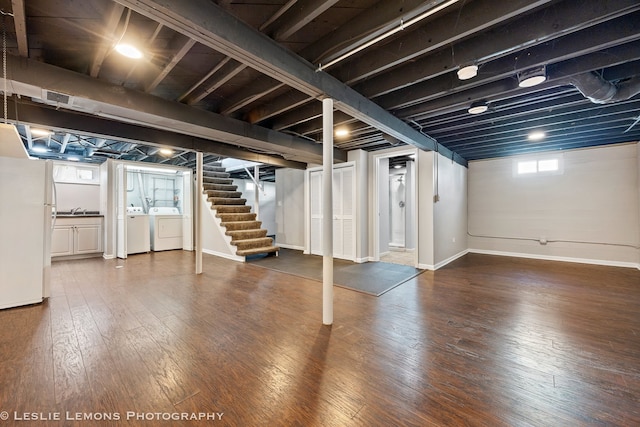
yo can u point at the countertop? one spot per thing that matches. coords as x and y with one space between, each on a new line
78 215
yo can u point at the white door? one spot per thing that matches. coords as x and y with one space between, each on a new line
343 212
315 184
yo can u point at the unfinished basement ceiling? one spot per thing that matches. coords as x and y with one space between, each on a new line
242 79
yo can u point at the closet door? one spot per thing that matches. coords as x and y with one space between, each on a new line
315 191
343 212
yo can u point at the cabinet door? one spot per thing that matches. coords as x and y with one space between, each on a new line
88 239
62 241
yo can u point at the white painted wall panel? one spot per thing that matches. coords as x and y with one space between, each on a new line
290 208
589 212
450 212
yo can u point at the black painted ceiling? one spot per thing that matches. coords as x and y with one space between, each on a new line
588 48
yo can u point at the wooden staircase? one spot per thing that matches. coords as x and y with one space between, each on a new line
236 217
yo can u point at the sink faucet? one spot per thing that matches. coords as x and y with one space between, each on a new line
75 210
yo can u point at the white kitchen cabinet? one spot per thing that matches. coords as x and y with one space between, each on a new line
77 235
62 241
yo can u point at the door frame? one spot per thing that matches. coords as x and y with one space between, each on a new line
376 196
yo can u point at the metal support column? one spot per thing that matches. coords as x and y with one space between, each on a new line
327 211
198 211
256 195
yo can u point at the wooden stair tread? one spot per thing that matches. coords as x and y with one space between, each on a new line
236 216
242 234
241 225
223 194
256 251
218 181
231 208
260 242
226 201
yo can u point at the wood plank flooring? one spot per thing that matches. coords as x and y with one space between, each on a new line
485 341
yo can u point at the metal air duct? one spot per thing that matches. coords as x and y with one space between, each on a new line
601 91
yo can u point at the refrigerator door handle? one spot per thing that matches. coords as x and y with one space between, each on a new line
54 205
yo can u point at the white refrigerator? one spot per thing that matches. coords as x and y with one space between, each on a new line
26 207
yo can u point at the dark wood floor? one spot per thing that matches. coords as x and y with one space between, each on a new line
486 341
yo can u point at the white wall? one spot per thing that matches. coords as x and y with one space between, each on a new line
361 160
267 200
214 241
424 184
450 212
108 207
384 214
290 211
71 196
588 213
410 220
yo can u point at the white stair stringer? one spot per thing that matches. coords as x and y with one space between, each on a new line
214 240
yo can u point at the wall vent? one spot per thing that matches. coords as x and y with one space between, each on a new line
58 98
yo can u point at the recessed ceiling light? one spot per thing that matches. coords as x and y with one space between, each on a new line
468 72
128 50
478 107
166 151
532 77
341 132
536 135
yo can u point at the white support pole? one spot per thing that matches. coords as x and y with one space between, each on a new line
198 212
327 211
256 195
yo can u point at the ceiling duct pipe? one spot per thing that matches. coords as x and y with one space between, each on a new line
601 91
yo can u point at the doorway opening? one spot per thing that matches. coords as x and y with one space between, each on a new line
395 228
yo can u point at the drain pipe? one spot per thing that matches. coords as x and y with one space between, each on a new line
601 91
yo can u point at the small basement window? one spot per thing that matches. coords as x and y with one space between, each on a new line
543 165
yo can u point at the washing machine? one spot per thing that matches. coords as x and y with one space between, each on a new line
138 236
165 224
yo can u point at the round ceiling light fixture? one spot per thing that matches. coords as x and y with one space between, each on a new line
166 151
478 107
536 135
468 72
128 50
341 132
532 77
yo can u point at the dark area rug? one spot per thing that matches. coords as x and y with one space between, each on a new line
373 278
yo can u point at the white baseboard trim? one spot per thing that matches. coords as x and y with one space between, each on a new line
444 262
286 246
451 259
557 258
108 256
362 260
223 255
430 267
